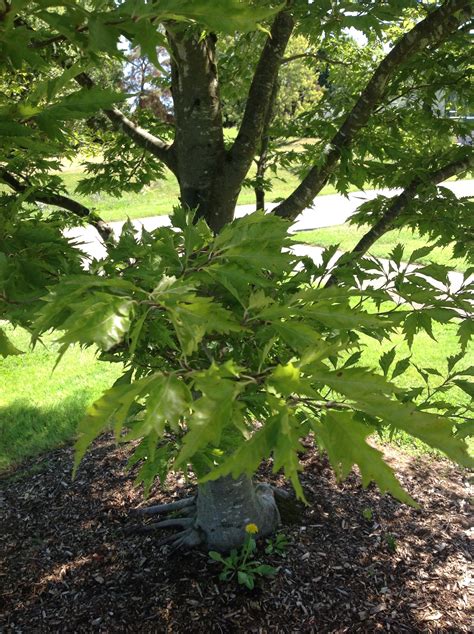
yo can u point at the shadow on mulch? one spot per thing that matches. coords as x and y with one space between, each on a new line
357 561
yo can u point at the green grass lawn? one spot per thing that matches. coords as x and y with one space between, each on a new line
425 352
40 410
160 198
347 237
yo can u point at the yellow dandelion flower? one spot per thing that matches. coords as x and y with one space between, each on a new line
251 529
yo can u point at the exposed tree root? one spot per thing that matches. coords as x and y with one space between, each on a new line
290 509
159 509
185 540
184 522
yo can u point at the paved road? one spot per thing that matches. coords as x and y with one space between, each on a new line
326 211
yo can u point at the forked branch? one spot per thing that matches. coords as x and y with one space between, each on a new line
259 98
160 149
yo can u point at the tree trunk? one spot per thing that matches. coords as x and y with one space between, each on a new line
225 506
199 139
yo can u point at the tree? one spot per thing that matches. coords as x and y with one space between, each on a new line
233 348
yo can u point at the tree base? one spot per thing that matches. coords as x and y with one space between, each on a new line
217 517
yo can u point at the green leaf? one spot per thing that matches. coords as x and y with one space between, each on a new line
102 319
415 322
345 318
110 410
465 332
436 271
279 434
436 431
353 359
196 317
420 253
353 382
82 104
454 359
169 399
287 380
6 346
211 413
102 36
465 386
400 367
469 371
396 253
465 430
245 579
298 335
250 454
265 570
286 449
154 465
344 439
386 360
136 332
255 242
225 16
216 556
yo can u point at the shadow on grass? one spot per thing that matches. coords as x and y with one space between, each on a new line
26 430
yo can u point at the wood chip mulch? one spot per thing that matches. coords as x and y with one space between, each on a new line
356 562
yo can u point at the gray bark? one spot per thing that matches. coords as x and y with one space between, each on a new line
259 101
199 140
264 148
153 144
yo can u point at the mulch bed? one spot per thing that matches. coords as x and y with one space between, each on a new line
357 561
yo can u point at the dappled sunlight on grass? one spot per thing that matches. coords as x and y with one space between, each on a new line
347 237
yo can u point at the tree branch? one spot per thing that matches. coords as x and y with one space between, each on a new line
433 30
319 56
260 94
398 206
153 144
58 200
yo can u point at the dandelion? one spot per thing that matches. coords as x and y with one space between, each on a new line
251 529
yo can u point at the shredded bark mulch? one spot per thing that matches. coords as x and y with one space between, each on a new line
356 561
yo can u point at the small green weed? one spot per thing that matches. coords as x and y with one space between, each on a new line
241 563
367 514
277 545
391 542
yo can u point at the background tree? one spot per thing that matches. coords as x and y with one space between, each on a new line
232 353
